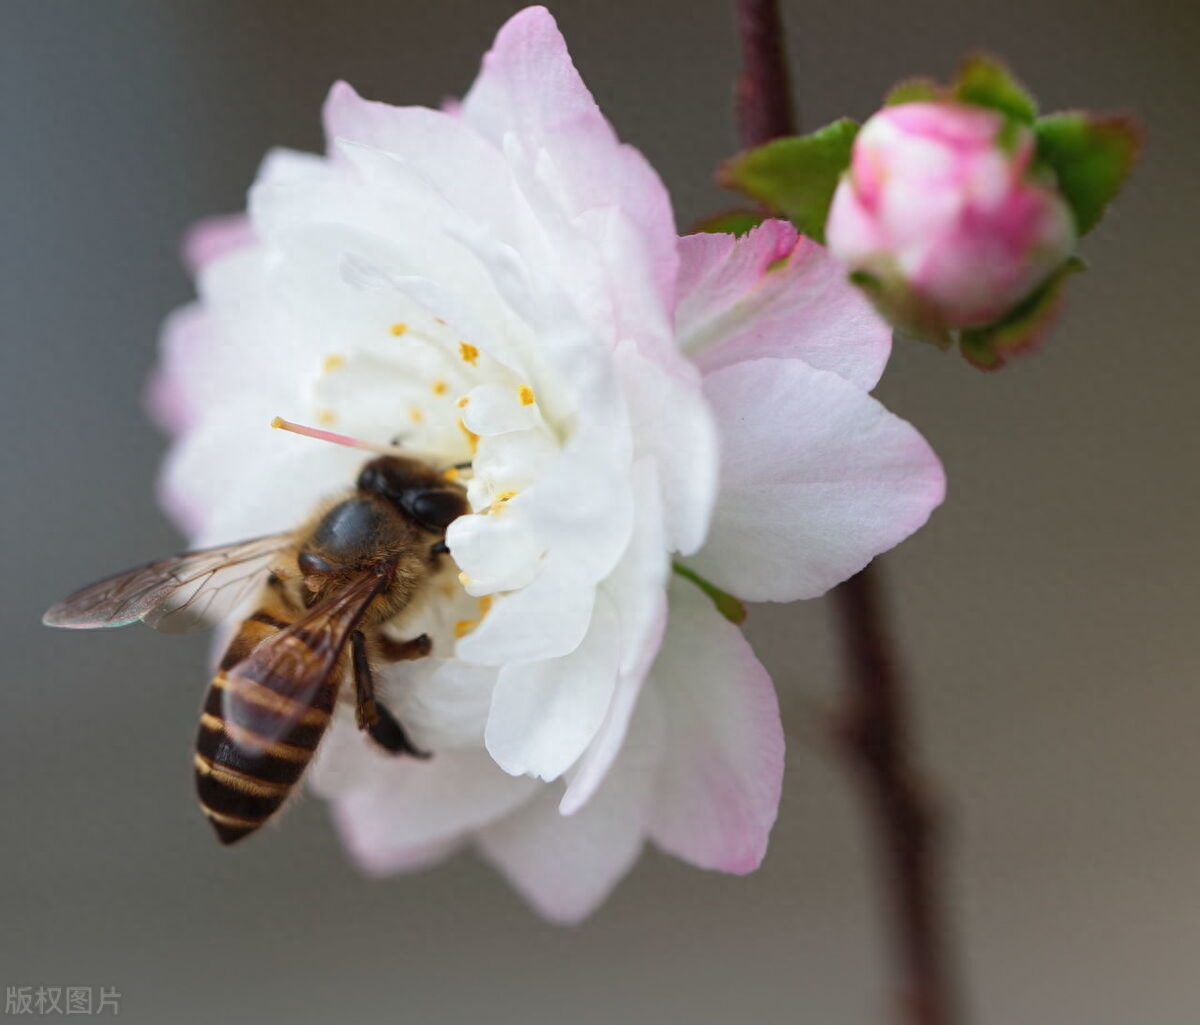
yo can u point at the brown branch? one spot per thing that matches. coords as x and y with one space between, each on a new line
874 731
764 98
875 735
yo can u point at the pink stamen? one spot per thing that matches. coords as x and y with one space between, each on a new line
338 439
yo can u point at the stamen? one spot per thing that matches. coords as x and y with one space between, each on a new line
439 387
527 396
453 473
337 439
399 329
468 352
500 500
472 437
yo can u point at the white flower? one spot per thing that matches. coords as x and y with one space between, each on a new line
504 285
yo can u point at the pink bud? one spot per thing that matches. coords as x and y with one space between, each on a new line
941 209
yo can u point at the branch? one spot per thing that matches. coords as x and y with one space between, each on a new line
764 98
874 731
874 734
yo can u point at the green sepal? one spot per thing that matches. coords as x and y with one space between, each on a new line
1091 157
985 82
730 222
796 175
990 347
726 604
914 90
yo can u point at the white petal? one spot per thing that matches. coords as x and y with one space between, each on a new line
672 423
566 866
546 619
390 808
545 713
637 589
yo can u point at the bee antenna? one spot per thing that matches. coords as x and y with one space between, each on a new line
337 439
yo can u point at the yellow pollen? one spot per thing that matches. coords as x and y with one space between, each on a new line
399 329
464 579
527 397
462 401
415 415
472 437
499 501
464 627
485 605
468 352
326 416
334 361
439 387
451 474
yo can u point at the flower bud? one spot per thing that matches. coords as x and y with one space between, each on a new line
942 218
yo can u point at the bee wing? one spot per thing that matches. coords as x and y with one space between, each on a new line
175 594
269 691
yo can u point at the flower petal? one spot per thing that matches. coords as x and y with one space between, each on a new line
566 865
637 589
213 237
738 302
392 810
721 770
545 713
817 478
530 101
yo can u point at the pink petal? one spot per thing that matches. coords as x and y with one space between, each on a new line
566 865
721 769
530 101
213 237
817 478
738 302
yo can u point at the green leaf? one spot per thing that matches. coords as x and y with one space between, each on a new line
726 604
730 222
990 347
796 175
985 82
1091 156
914 90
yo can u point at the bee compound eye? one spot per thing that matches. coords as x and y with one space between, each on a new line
437 508
311 563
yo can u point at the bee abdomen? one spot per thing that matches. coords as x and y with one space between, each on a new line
240 790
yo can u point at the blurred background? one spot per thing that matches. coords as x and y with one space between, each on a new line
1048 614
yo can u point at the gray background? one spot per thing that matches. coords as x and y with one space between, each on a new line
1048 612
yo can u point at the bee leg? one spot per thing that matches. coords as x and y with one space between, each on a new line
404 651
380 724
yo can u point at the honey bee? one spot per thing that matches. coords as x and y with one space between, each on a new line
327 590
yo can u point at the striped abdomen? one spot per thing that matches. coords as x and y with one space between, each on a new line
240 790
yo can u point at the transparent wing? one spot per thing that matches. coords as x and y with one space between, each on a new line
270 691
175 594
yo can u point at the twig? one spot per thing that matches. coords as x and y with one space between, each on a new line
764 97
874 732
